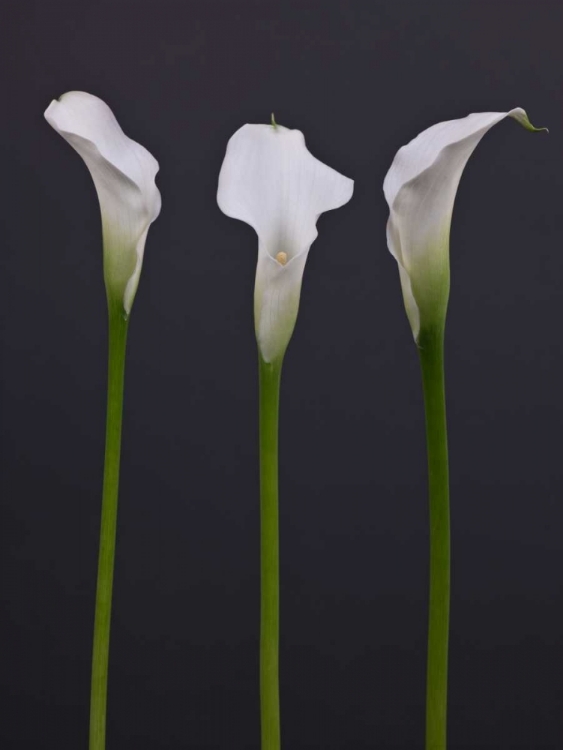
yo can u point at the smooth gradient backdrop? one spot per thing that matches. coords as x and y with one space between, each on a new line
360 79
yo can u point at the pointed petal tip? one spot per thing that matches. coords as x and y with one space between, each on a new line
521 117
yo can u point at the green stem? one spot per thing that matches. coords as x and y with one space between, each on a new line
100 655
270 375
431 350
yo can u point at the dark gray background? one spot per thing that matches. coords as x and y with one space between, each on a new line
360 79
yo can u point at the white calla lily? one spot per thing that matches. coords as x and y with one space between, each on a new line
420 188
124 176
271 181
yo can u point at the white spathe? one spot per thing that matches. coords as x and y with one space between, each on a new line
271 181
420 188
124 176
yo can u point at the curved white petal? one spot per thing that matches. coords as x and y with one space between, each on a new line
420 188
271 181
124 176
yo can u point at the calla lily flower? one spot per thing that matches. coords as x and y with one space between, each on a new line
271 181
123 172
420 188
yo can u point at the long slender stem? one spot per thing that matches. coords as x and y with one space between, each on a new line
431 349
102 621
270 375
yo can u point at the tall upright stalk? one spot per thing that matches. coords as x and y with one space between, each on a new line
270 375
100 656
431 350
